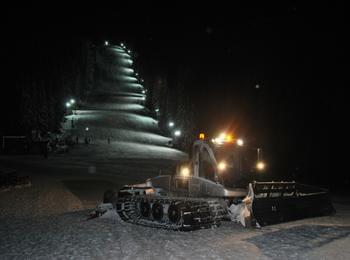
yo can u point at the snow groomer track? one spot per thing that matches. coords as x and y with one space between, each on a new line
181 214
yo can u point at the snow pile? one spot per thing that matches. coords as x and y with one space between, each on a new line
239 213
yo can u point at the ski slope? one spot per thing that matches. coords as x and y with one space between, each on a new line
114 118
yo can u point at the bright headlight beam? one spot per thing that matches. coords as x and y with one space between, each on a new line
260 166
185 171
222 166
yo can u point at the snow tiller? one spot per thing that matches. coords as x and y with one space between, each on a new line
195 197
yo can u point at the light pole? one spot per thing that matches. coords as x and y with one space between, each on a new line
70 105
258 152
260 165
157 112
72 101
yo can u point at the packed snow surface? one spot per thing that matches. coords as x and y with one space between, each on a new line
49 220
115 110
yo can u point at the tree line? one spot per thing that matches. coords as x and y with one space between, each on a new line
40 78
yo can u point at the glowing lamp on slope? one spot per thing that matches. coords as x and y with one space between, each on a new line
177 133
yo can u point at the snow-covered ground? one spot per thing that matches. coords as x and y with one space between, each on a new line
48 220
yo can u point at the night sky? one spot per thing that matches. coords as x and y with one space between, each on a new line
294 52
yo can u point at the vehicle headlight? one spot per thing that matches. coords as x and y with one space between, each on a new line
260 166
222 166
185 171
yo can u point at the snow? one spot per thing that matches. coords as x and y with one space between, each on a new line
69 235
115 111
292 241
109 119
239 213
49 220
